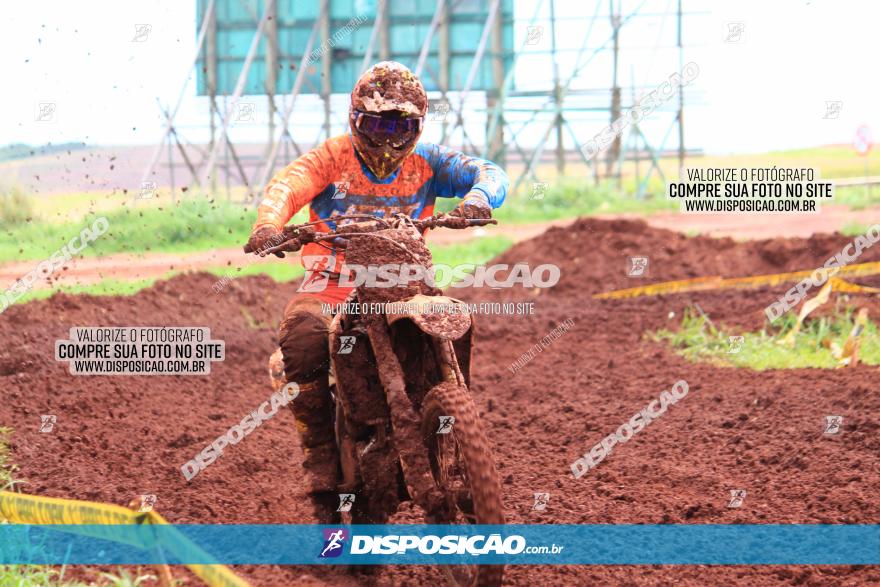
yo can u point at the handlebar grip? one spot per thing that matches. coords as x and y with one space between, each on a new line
481 221
288 246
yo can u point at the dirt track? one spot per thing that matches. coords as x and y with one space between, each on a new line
117 437
89 270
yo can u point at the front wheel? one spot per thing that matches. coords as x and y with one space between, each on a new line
464 470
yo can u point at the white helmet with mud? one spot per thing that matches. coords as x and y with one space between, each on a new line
388 107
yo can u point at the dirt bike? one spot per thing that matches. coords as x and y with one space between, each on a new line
406 425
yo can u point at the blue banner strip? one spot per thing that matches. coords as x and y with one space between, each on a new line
688 544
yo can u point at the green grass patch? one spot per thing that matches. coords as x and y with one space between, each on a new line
16 207
479 250
697 339
281 272
105 287
854 229
7 467
192 225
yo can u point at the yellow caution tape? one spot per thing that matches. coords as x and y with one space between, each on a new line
850 354
820 300
19 508
31 509
717 282
213 575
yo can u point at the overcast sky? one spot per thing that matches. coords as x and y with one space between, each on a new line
763 89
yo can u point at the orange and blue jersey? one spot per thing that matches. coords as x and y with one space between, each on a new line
332 180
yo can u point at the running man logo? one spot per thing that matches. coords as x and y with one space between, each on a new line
346 500
45 112
245 112
446 423
142 32
539 189
334 539
832 109
737 496
541 501
638 266
316 277
341 190
148 190
346 345
441 109
534 34
833 424
147 503
47 422
735 344
735 32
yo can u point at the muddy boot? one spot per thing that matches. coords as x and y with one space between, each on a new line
314 411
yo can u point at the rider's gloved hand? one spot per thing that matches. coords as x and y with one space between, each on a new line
263 238
474 205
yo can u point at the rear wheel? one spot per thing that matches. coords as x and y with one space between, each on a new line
463 469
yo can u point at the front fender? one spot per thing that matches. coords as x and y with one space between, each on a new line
439 316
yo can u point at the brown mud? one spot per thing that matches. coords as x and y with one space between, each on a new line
119 437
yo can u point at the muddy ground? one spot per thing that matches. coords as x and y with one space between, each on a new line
118 437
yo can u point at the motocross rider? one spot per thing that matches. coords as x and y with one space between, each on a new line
378 168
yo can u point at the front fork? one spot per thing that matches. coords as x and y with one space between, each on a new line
449 368
406 421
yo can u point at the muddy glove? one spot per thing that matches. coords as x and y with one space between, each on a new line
474 205
262 238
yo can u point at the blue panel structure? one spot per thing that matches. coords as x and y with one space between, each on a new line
409 22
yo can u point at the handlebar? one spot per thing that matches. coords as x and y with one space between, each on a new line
295 236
